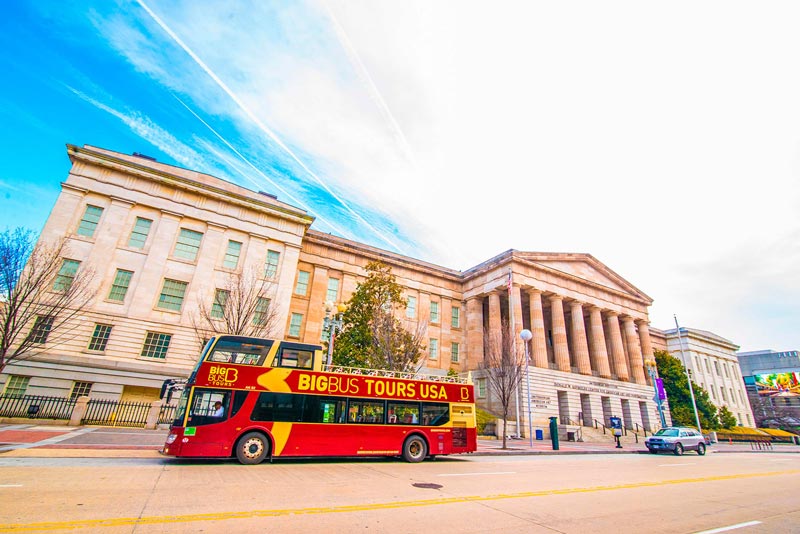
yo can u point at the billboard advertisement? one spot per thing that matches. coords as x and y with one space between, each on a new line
778 384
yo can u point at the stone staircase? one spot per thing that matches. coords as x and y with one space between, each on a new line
588 434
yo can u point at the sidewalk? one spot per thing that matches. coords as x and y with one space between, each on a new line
40 441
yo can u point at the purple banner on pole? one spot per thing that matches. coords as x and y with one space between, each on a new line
660 386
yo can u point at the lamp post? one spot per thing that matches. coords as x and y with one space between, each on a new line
526 336
651 370
688 375
332 324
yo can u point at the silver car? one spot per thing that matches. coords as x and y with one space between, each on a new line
676 439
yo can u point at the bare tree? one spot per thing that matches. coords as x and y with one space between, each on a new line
43 292
394 347
242 306
504 365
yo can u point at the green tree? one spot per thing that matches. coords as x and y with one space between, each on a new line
371 336
726 418
676 385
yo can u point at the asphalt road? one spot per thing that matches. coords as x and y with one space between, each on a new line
747 493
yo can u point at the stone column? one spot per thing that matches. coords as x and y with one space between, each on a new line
474 329
617 350
495 321
579 344
598 343
647 347
560 347
539 340
516 297
634 351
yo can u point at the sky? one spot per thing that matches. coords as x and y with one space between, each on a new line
661 138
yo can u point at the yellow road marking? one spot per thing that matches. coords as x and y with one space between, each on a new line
221 516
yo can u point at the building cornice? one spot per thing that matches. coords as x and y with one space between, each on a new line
160 172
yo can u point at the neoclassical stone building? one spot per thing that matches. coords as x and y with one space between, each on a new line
161 240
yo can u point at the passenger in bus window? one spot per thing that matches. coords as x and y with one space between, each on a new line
392 417
219 410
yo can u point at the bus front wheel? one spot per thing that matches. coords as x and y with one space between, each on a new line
252 448
415 449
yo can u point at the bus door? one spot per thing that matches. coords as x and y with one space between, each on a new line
206 431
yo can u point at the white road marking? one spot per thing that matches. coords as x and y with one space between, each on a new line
676 465
478 474
731 527
10 485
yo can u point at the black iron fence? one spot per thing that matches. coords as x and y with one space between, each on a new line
98 412
116 413
36 406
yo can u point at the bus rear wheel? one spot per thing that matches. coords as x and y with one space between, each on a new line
252 448
415 449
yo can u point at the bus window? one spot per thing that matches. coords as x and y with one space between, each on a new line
285 407
290 357
403 412
242 353
365 411
208 406
323 410
238 399
435 414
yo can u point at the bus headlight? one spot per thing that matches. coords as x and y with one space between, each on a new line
171 438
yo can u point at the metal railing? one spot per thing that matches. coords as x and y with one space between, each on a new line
36 406
116 413
166 415
409 375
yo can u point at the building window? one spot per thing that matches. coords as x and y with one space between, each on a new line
188 244
302 283
231 260
295 324
454 352
434 312
271 268
411 307
433 350
156 345
89 221
708 367
16 385
41 329
66 275
455 317
220 301
171 297
481 387
100 337
80 389
333 290
119 288
716 368
141 229
261 315
725 368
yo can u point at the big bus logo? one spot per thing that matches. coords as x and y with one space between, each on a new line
222 376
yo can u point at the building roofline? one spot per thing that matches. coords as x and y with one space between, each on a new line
186 179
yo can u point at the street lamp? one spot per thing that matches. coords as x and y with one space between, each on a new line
651 370
688 375
332 324
526 336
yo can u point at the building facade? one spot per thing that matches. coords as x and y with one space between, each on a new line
712 364
772 381
161 239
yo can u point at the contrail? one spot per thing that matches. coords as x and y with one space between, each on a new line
365 77
259 171
261 125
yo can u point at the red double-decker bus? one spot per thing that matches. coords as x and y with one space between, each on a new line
254 399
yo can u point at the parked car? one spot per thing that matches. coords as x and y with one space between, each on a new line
676 439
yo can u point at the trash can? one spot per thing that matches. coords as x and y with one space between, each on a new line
539 434
570 436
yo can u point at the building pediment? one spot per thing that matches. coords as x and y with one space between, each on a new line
581 266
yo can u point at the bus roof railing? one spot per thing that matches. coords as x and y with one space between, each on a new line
407 375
